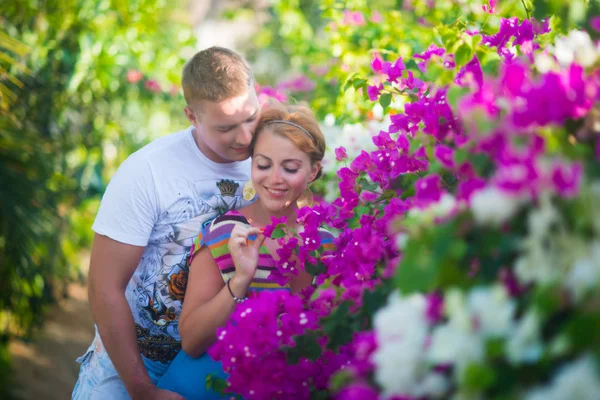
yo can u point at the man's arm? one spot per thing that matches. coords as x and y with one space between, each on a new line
111 266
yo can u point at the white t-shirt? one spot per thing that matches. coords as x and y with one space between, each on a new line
159 198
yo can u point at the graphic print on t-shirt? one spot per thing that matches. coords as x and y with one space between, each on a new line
158 287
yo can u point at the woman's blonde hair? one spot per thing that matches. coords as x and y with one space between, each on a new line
312 142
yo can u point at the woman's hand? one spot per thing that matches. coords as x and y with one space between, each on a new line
244 252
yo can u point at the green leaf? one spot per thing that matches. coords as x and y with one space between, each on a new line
385 100
315 270
277 233
337 326
358 83
455 93
215 383
306 346
460 156
479 377
463 54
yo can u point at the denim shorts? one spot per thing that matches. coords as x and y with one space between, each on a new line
98 378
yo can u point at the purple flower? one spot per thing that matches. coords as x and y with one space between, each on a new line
470 73
428 190
445 155
431 51
357 391
468 187
489 8
394 71
567 178
373 91
377 65
595 23
435 307
340 153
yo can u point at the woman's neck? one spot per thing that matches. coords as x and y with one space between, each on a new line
261 217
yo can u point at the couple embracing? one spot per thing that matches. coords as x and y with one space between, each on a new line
179 240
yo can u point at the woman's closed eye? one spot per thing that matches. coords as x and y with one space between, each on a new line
288 170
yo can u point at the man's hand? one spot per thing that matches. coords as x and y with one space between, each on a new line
151 392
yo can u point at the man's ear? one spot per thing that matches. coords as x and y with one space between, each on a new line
191 116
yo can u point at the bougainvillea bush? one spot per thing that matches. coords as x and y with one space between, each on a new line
467 260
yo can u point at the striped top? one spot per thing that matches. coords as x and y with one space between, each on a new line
216 236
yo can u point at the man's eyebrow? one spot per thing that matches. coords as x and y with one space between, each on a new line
253 115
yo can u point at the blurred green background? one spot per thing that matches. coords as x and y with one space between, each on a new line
84 83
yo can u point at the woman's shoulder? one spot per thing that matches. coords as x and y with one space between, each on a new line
223 224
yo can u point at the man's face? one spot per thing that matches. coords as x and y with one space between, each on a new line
224 130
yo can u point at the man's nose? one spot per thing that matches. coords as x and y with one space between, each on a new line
244 136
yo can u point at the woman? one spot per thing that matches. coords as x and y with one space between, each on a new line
233 257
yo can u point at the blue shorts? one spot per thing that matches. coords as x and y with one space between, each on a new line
98 378
187 377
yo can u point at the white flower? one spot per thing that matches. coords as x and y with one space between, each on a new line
576 381
544 63
456 342
441 208
577 47
524 345
401 329
492 206
493 309
585 274
453 344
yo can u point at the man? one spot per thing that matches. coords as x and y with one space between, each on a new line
153 207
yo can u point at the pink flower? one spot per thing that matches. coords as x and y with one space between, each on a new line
152 86
298 84
354 18
267 92
134 76
489 8
376 17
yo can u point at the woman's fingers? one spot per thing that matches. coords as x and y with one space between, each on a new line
260 239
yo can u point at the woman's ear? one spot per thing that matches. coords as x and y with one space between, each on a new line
314 173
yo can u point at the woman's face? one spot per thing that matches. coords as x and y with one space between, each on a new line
280 171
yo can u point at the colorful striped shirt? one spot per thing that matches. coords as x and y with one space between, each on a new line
215 236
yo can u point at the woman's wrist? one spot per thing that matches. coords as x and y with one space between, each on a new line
238 286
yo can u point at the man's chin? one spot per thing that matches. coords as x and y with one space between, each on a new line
236 156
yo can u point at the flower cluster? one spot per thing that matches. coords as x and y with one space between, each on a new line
467 238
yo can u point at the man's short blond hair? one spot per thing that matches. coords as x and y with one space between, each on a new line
215 74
